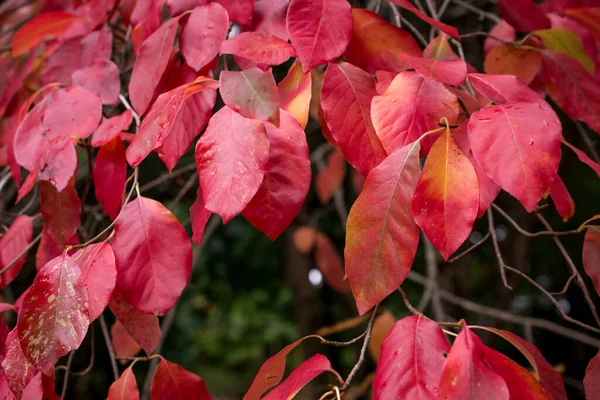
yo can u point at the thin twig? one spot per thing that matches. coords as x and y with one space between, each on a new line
63 392
410 307
186 188
363 350
396 13
344 344
415 31
470 249
531 234
486 34
482 14
111 351
562 292
136 116
167 177
574 270
431 288
501 264
92 357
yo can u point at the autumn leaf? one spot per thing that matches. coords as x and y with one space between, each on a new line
330 178
110 175
12 243
46 26
17 368
450 30
61 211
239 11
172 381
258 48
330 264
110 128
591 255
583 157
562 199
524 15
101 78
510 60
123 343
295 91
124 388
591 380
449 72
563 40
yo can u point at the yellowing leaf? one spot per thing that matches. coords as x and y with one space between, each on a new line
565 41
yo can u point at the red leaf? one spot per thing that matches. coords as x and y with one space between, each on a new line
101 78
5 392
110 174
583 157
330 264
17 369
60 211
330 178
232 157
591 255
258 48
199 216
381 235
53 318
143 327
99 275
346 100
286 181
153 255
562 199
488 189
295 91
410 107
202 34
591 381
550 380
498 133
446 198
173 382
411 361
123 343
466 374
299 377
572 87
150 64
271 372
110 128
124 388
269 18
314 37
449 72
524 15
521 384
376 45
14 241
46 26
450 30
252 92
239 11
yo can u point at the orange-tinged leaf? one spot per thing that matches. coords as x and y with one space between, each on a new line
203 33
232 157
446 199
381 235
450 30
518 146
60 211
286 182
252 92
124 388
439 49
12 243
591 381
583 157
271 372
99 275
151 62
295 92
153 255
510 60
466 375
299 377
173 382
563 40
449 72
562 199
550 380
46 26
314 37
110 174
410 107
330 264
330 178
412 357
53 318
143 327
346 100
123 343
375 44
502 30
258 48
382 325
591 255
305 238
521 384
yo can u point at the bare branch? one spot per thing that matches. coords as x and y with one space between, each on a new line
470 249
501 264
109 347
532 234
363 350
472 8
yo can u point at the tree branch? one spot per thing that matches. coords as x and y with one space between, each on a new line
532 234
363 350
501 264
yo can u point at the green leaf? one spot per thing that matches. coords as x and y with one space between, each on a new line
565 41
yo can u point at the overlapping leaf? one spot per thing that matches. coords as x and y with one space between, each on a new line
258 48
60 211
124 388
510 60
46 26
524 15
295 92
449 72
110 174
12 243
110 128
17 368
171 381
330 178
381 235
450 30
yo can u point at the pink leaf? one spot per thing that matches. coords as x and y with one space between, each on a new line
153 255
449 72
173 382
14 241
315 38
450 30
562 199
258 48
346 100
232 157
286 181
150 64
110 174
239 11
124 388
110 128
199 216
53 318
411 361
202 34
99 275
504 89
17 368
101 78
60 211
